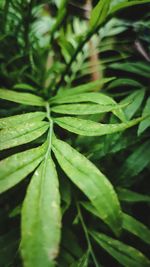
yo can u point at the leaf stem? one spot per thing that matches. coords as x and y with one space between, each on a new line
87 235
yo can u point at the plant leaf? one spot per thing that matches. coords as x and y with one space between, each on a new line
22 134
137 228
18 166
98 98
124 254
41 218
17 119
22 98
99 13
134 164
126 4
129 223
145 123
130 196
85 109
90 128
91 182
136 99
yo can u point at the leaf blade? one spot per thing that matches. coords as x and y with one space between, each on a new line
17 119
90 128
19 166
22 98
124 254
15 136
91 182
41 218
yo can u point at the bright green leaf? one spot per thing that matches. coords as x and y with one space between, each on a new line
22 134
22 98
90 128
18 166
91 182
85 109
19 119
41 218
145 123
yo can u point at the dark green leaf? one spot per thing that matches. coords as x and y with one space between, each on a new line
130 196
135 227
124 254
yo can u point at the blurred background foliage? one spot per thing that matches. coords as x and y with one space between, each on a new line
37 41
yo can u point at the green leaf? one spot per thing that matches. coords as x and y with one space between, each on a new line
99 13
124 82
18 166
129 223
130 196
97 98
90 86
138 68
91 182
17 119
145 123
22 134
135 99
124 254
22 98
135 163
41 218
136 228
24 86
126 4
82 262
90 128
85 109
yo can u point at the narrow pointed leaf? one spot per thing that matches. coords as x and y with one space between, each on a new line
18 166
135 163
124 254
129 196
90 128
85 109
99 13
136 100
126 4
136 228
97 98
90 86
129 223
41 218
145 123
91 182
18 119
22 134
22 98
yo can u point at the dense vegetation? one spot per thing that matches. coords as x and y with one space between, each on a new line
74 139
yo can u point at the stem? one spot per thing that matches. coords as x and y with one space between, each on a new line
87 235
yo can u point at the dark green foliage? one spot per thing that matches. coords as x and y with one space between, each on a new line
74 138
